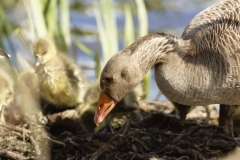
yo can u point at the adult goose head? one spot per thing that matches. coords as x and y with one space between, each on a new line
126 106
124 71
201 67
44 50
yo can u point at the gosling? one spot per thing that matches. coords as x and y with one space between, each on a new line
61 81
7 83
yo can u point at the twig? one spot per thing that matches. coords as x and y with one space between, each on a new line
195 153
137 156
141 143
36 146
11 155
124 128
237 139
15 128
55 141
187 152
103 149
5 133
112 131
74 143
154 154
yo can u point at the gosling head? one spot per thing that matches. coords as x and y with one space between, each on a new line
44 50
119 77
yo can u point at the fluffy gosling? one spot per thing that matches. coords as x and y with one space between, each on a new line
61 80
7 83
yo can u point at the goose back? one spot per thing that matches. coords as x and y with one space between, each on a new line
210 74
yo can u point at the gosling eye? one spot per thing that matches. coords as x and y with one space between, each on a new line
109 80
123 75
45 51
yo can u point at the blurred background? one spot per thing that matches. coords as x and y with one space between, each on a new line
90 31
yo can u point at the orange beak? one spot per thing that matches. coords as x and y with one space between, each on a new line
39 61
105 105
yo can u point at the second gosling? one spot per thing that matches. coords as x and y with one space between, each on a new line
7 83
61 81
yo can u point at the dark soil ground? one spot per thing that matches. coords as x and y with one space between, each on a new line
156 135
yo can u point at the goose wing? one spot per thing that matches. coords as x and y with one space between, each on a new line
217 27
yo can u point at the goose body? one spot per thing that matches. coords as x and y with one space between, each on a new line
200 68
209 68
61 81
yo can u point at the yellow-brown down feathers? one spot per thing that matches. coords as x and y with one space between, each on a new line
61 81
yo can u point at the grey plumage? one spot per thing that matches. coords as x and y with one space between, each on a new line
193 70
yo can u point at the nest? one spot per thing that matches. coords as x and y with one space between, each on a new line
156 135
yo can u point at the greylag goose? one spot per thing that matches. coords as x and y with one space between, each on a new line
7 83
126 106
61 81
200 68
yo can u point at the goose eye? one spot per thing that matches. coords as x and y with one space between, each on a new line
109 80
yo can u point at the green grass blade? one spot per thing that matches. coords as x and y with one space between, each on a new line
35 12
50 14
110 26
101 29
143 30
107 28
142 17
65 21
84 48
95 55
30 21
129 33
97 60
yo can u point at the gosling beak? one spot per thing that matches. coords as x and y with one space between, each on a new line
4 54
39 60
105 105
